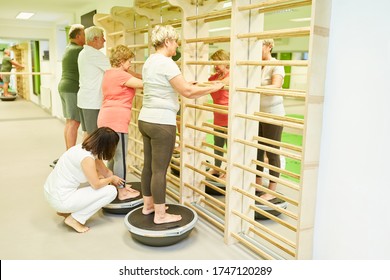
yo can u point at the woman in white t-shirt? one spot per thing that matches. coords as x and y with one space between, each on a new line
271 76
81 164
163 82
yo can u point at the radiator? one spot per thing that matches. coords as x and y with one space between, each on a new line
45 97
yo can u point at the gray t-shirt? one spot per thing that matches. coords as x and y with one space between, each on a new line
271 104
161 102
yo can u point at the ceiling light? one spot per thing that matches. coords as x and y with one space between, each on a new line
227 4
23 15
219 29
300 19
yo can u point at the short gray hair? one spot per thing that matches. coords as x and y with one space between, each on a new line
92 32
162 32
74 30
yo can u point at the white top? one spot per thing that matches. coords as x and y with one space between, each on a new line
271 104
161 102
92 65
67 175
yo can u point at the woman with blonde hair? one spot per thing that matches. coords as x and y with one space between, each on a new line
119 88
271 76
163 82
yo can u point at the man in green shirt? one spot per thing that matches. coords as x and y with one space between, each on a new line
69 84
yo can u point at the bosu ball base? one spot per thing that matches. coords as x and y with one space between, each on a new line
211 191
7 98
277 202
144 230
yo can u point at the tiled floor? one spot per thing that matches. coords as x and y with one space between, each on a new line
30 140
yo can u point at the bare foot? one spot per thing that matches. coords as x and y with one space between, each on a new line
148 210
267 196
63 214
167 218
127 192
213 172
70 221
129 188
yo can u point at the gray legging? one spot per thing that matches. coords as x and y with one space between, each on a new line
273 132
118 163
159 142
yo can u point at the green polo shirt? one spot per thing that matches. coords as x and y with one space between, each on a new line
70 71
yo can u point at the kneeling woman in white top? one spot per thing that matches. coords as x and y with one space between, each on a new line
81 164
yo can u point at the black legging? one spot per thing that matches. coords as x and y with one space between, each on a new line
273 132
219 142
159 142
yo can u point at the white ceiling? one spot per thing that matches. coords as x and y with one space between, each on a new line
45 10
55 11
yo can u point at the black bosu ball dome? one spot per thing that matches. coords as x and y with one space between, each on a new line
277 201
125 206
211 191
144 230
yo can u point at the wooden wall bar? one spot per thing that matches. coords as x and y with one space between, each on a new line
232 210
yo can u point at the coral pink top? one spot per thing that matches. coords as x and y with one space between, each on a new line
220 97
117 101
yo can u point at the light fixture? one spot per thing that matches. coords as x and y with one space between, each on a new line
219 29
300 19
24 15
227 4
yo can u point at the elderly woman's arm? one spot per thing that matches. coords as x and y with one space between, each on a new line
191 90
134 82
135 74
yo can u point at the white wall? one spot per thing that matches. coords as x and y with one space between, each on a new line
55 34
352 220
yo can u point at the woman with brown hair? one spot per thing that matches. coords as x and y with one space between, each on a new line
80 164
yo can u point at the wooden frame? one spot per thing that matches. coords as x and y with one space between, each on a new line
289 236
